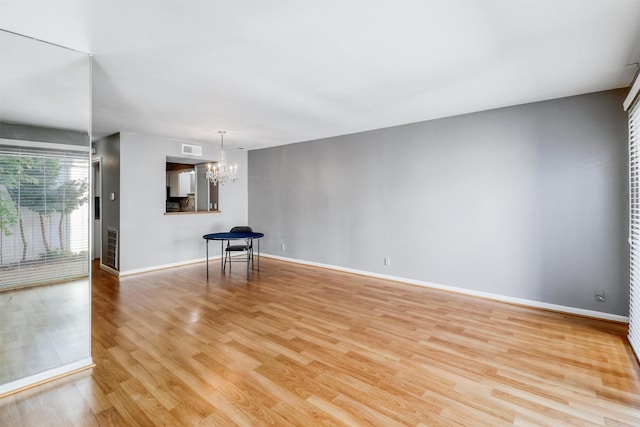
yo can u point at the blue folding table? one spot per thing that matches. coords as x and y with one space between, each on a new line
222 237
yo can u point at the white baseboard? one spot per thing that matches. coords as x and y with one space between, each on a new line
496 297
109 269
164 266
45 376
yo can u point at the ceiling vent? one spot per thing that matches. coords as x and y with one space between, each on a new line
192 150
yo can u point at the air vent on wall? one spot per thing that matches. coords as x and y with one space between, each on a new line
112 248
192 150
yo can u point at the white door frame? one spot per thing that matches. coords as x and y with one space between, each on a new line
96 161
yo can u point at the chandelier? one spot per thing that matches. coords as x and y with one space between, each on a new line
221 172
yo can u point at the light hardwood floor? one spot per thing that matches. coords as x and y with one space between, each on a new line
298 345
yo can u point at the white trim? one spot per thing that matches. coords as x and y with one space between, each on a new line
109 269
471 292
496 297
45 376
632 95
95 160
46 145
163 266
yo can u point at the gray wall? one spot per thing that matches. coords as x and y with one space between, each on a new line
148 237
108 150
527 201
43 134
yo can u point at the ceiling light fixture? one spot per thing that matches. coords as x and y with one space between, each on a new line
221 172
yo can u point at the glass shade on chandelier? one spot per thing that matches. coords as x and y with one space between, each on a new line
221 172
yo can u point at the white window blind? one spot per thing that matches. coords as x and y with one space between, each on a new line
634 228
44 214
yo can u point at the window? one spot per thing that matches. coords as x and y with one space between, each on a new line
188 190
634 227
44 214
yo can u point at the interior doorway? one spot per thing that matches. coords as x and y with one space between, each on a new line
96 209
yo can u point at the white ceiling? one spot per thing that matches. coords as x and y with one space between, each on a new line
273 72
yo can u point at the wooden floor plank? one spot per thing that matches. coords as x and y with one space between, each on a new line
303 346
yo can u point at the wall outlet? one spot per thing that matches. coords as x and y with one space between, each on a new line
282 246
600 296
387 262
